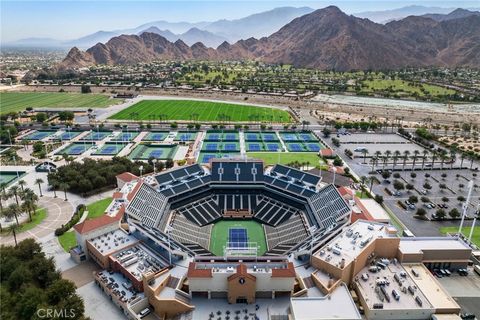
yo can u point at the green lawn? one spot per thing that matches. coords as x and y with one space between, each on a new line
406 87
68 240
200 111
271 158
37 218
465 232
18 101
98 208
219 235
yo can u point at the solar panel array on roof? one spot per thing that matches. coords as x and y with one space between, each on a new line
148 206
329 206
237 171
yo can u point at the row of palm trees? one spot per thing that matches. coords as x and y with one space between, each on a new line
398 157
25 201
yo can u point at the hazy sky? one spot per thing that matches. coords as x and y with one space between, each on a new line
69 19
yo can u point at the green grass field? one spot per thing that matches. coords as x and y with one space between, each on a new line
200 111
219 235
406 87
98 208
465 232
67 240
18 101
271 158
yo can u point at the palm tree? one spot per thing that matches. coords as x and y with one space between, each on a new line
425 155
365 152
414 158
371 179
434 157
406 153
453 157
443 157
363 179
54 186
39 181
29 202
388 153
64 187
14 192
13 211
13 229
396 155
462 157
22 184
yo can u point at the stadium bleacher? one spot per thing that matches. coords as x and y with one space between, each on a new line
187 232
282 237
237 171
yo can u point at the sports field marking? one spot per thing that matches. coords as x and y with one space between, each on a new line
206 111
220 235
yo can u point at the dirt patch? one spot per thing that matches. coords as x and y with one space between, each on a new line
81 274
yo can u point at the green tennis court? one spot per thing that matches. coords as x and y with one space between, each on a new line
109 149
76 148
220 233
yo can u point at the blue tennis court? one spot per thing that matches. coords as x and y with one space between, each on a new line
125 136
289 136
205 156
269 137
237 237
38 135
295 147
156 153
75 149
186 136
155 136
211 147
230 137
273 146
68 135
314 147
252 137
307 137
254 147
109 149
97 135
230 147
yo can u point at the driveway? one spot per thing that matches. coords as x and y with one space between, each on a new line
58 213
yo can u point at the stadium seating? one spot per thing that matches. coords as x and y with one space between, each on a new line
329 206
202 212
148 206
282 237
237 171
187 232
272 212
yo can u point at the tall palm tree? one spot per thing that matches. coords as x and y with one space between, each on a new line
443 157
462 157
14 191
434 157
453 157
396 155
54 186
387 156
39 181
64 187
414 158
424 157
363 179
406 154
29 202
13 229
22 184
365 152
13 211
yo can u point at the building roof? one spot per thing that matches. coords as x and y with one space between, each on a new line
91 224
193 272
327 152
127 177
288 272
373 209
412 245
337 305
242 272
327 177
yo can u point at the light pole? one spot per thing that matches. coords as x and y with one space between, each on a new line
334 172
168 230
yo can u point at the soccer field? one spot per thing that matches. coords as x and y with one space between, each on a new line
200 111
19 101
219 235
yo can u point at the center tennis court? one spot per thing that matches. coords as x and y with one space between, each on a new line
237 237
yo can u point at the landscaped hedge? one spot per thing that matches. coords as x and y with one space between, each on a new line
77 215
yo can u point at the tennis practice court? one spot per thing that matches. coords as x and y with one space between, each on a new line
147 151
289 136
156 136
186 136
204 157
237 237
225 147
253 136
109 149
269 136
7 177
295 147
68 135
215 135
39 135
125 136
97 135
76 148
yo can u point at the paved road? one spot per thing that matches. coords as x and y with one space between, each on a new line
58 213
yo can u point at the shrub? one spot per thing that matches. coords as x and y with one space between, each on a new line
77 215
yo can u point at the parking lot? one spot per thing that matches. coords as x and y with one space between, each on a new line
446 186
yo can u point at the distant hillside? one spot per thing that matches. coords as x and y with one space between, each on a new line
456 14
326 39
